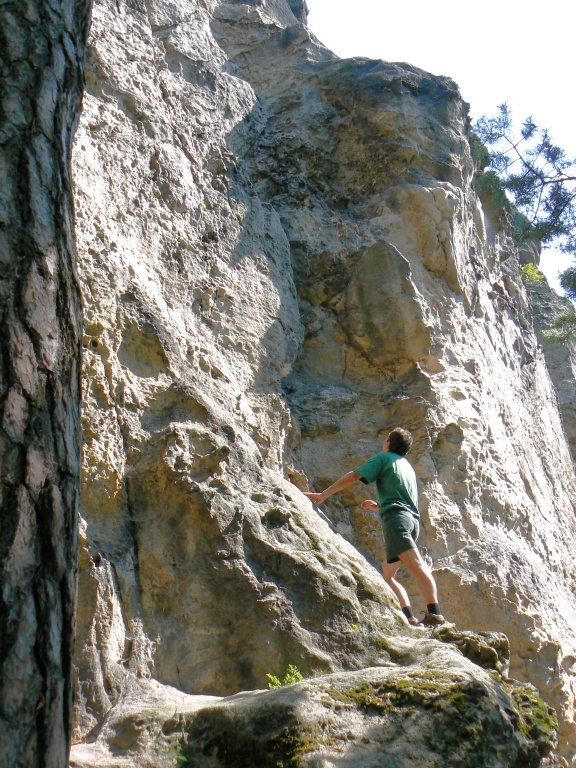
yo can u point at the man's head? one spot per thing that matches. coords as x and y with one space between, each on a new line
399 441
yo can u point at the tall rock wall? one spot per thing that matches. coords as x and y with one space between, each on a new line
283 256
560 356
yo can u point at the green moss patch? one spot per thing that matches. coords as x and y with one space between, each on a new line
538 722
457 718
490 650
295 742
424 689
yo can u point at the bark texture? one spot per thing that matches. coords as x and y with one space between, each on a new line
41 52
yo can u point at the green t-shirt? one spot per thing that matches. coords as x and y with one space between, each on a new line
395 482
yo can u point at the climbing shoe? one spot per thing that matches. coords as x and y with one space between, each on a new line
413 621
432 619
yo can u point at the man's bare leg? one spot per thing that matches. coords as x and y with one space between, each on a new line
389 570
412 559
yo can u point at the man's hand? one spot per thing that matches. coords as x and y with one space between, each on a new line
369 505
344 482
315 498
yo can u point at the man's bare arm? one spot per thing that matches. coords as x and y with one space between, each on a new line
344 482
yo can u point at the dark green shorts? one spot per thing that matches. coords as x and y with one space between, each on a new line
401 529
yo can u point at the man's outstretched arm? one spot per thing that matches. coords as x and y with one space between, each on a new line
344 482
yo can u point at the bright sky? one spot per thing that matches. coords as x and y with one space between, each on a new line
495 51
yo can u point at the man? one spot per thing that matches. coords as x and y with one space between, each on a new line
398 504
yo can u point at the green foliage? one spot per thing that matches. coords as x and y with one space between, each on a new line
176 752
531 274
563 328
568 282
536 175
480 153
293 675
490 183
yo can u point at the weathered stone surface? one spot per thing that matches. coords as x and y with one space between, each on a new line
498 499
560 357
144 728
433 714
283 256
431 708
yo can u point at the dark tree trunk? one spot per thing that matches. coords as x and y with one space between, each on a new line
41 54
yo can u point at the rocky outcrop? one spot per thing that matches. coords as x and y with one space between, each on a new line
145 727
430 707
283 256
430 716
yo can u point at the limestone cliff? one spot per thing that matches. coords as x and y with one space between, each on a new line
547 305
282 256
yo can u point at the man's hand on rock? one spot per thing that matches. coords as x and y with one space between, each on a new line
343 482
369 505
315 498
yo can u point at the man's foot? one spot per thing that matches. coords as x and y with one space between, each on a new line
432 619
413 621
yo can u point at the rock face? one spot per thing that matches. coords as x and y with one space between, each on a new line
560 357
283 256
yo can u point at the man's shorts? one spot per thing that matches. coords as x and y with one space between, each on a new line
401 529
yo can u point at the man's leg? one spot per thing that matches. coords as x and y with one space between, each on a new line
389 570
412 559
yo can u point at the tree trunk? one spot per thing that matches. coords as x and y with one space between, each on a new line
41 53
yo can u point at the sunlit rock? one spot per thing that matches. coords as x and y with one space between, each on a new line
283 256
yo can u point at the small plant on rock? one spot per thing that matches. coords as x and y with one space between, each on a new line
531 274
293 675
176 753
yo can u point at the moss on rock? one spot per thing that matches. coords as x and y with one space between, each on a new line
537 721
456 715
490 650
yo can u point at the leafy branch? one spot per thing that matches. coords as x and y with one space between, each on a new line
563 328
537 176
293 675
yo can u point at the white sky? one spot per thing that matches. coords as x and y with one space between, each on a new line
510 51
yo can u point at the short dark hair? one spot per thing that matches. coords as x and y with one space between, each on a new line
400 441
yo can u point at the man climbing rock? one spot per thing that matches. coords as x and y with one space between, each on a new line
398 504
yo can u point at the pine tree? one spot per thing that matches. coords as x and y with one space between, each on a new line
41 52
539 178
